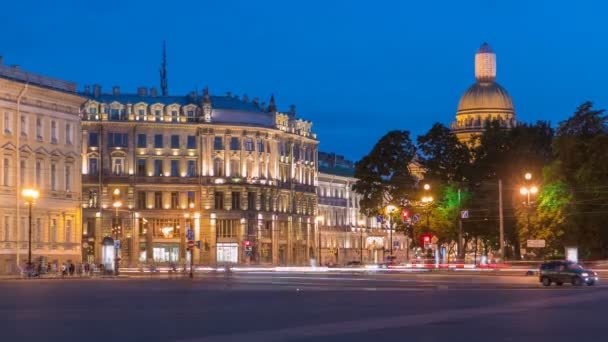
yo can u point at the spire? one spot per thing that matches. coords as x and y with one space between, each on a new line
272 107
485 64
206 98
163 72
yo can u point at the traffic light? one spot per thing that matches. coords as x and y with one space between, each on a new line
426 239
405 215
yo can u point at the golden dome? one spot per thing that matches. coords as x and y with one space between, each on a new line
486 96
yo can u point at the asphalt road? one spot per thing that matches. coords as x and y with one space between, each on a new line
302 307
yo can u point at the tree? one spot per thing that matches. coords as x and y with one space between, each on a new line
383 175
443 157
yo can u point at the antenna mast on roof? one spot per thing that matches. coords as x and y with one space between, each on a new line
163 72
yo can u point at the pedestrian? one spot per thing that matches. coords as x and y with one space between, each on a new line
64 269
72 268
86 269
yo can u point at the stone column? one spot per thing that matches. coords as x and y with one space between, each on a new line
134 240
275 241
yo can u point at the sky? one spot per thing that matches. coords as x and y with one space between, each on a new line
356 69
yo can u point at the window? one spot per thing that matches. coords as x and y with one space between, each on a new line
7 123
141 167
157 113
53 177
38 172
140 112
218 167
68 230
6 172
158 200
22 168
158 167
235 144
174 200
39 128
23 125
263 201
141 200
235 166
93 139
219 200
173 113
175 141
68 178
218 143
227 228
191 168
236 200
68 134
53 230
93 166
118 166
260 145
118 140
7 228
53 132
158 141
38 230
93 110
249 144
191 142
114 114
251 200
174 168
141 141
191 199
190 115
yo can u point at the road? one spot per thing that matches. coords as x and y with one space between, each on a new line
302 307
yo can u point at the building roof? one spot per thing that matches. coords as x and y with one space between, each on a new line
337 171
217 102
485 96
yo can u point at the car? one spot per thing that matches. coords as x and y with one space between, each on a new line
560 272
354 263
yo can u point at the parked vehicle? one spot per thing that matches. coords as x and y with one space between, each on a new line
560 272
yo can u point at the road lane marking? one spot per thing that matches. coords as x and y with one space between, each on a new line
366 325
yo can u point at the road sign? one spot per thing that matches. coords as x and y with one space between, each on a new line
117 244
190 234
198 244
416 217
536 243
190 244
379 218
464 214
395 244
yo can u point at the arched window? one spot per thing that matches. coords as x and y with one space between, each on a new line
218 167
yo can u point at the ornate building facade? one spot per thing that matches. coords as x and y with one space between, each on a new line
239 173
484 101
39 149
346 235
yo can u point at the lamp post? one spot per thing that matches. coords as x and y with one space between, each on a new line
318 219
117 203
361 227
189 217
30 196
528 190
428 200
389 210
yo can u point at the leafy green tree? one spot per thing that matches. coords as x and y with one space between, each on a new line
383 175
443 157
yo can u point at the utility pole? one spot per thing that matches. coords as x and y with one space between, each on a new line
460 245
501 222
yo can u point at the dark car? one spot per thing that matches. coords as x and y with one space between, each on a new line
560 272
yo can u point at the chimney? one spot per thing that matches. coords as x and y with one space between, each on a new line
96 90
87 90
142 91
115 90
153 92
292 110
245 98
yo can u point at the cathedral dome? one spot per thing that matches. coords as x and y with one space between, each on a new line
485 96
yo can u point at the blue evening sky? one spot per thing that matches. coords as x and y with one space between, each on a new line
357 69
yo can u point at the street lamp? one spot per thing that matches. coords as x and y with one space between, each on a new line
117 203
528 190
361 227
30 196
389 210
189 217
318 219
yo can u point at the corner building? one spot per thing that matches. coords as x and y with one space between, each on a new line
239 173
39 149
